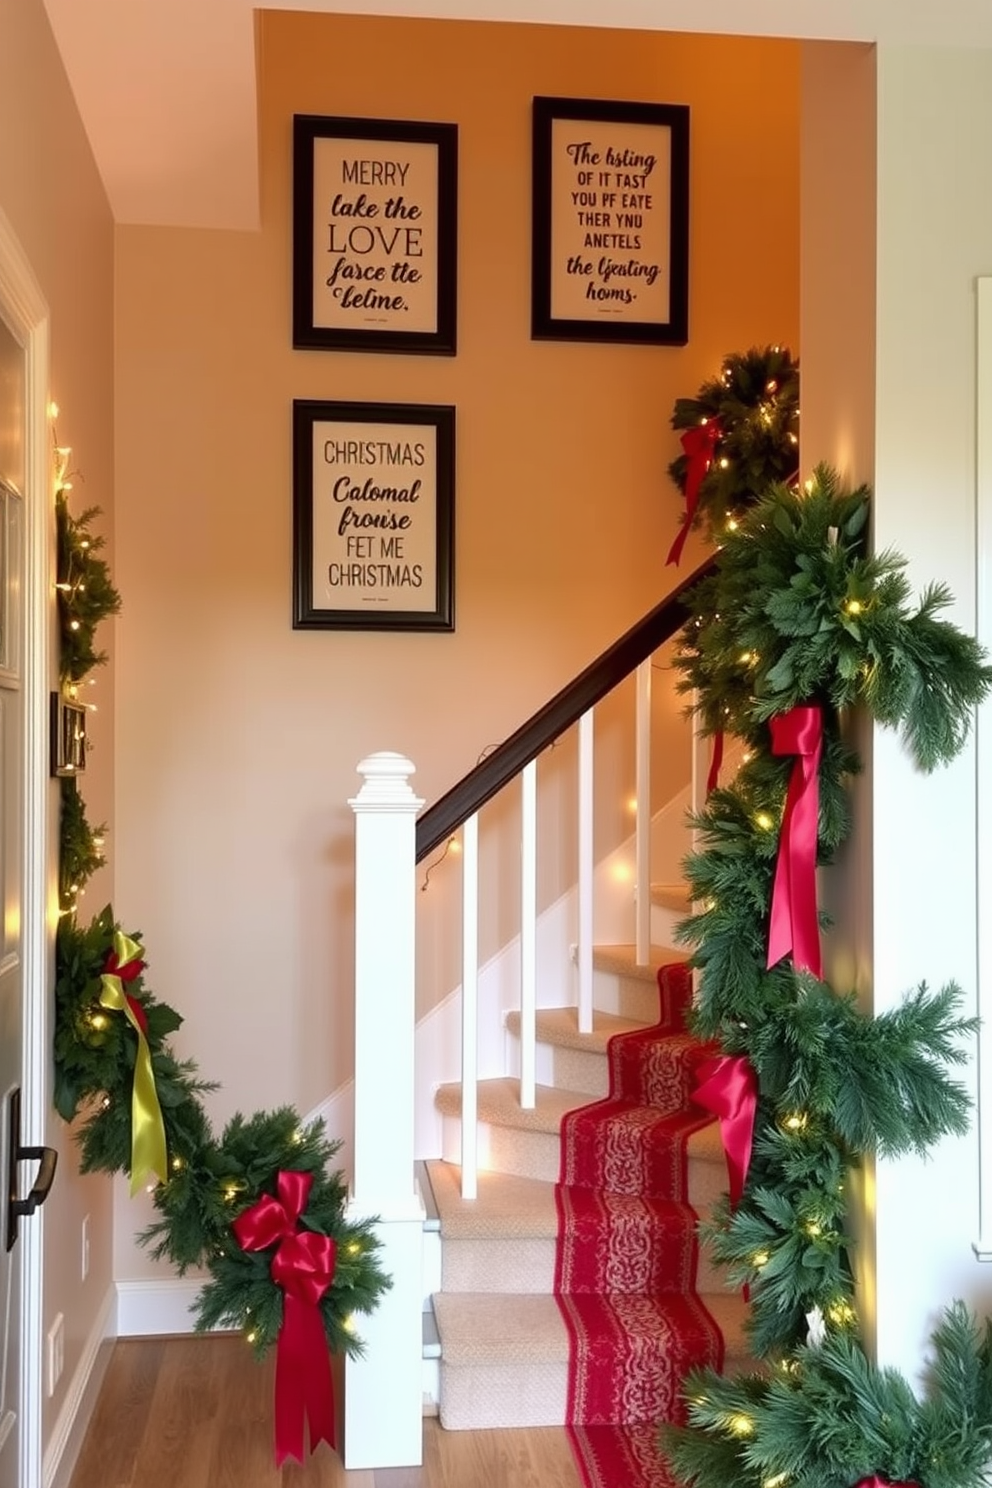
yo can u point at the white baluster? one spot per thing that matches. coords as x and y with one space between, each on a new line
642 890
385 889
586 798
470 1007
528 933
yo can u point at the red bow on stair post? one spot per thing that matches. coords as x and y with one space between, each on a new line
303 1266
729 1088
795 924
699 442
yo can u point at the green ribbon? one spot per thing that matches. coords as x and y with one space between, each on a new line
149 1153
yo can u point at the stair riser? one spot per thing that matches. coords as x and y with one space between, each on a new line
508 1265
481 1396
499 1266
630 997
531 1154
587 1074
478 1397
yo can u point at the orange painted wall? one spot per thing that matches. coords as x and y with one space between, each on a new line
237 737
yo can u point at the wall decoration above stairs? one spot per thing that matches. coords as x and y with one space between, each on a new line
257 1207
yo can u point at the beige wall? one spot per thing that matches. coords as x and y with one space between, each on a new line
838 251
51 194
237 737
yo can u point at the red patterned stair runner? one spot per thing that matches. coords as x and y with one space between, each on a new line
626 1263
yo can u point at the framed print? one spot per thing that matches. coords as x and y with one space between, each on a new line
67 736
373 516
375 237
610 221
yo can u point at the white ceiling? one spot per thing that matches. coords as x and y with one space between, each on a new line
166 88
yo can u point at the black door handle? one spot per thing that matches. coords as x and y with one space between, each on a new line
42 1185
47 1156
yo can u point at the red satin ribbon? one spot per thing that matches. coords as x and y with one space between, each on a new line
699 442
713 778
794 922
127 973
303 1266
877 1482
729 1088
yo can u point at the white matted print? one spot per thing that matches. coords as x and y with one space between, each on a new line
375 238
610 221
373 516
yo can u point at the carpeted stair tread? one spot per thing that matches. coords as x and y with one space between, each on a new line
622 961
506 1208
674 896
500 1328
499 1105
560 1027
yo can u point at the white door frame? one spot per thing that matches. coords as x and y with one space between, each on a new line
23 308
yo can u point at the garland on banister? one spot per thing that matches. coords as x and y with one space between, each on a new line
798 624
258 1207
740 434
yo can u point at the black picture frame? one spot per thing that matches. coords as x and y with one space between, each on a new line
394 220
610 238
358 553
67 736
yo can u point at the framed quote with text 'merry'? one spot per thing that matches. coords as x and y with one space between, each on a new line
375 235
610 221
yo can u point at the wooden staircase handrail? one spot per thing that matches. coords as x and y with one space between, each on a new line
590 686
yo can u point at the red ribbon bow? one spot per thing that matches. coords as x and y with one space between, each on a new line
303 1266
128 971
795 925
729 1088
699 442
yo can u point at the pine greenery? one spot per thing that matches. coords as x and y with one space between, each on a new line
86 595
210 1181
830 1419
798 612
756 400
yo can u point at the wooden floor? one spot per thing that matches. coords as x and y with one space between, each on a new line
197 1413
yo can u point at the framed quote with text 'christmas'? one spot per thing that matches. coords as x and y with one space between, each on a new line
610 221
375 236
373 516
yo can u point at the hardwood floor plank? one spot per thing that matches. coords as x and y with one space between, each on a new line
197 1413
113 1442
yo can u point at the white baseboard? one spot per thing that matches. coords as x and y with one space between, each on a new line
62 1448
151 1309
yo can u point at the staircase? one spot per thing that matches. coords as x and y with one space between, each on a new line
509 1344
503 1339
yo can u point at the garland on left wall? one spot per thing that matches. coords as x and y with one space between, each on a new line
258 1207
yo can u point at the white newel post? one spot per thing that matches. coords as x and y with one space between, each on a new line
383 1397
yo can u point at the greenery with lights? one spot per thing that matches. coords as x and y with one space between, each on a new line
798 614
754 403
86 596
210 1181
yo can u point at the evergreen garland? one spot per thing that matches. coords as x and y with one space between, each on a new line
85 596
755 400
798 612
210 1181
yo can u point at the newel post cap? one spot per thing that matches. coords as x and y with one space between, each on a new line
386 783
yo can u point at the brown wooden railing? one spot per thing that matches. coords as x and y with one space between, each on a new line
591 685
